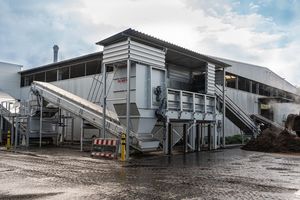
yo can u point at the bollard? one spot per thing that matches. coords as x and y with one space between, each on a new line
123 145
8 140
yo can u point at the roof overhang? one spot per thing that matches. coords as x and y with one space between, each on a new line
173 52
67 62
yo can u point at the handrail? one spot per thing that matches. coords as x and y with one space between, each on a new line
231 101
190 106
245 117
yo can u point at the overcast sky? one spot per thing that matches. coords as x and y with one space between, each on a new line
262 32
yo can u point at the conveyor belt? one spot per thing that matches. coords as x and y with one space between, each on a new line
86 110
264 120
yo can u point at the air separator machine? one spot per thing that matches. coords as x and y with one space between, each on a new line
163 93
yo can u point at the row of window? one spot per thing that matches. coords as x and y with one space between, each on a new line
241 83
63 73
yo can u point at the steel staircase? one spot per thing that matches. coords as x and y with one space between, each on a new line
236 115
84 109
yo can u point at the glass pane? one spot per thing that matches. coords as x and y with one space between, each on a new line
39 77
51 76
93 67
77 70
63 73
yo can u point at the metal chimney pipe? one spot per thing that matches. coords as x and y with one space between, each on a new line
55 53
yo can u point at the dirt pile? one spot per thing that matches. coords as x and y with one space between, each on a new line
274 140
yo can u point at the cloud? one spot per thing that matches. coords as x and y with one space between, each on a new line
29 29
242 30
248 36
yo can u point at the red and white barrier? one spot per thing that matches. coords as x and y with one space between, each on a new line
105 148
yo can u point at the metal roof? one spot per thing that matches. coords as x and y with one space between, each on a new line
62 63
153 41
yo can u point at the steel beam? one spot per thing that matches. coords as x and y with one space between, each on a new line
197 138
81 135
1 128
72 131
104 101
224 109
12 132
184 138
209 136
165 137
41 121
169 141
16 133
28 131
128 108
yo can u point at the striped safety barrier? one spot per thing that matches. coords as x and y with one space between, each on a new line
105 148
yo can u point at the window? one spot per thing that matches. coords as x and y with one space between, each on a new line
254 87
243 84
281 93
51 76
77 70
230 80
109 68
63 73
22 81
28 80
267 91
93 67
39 77
264 90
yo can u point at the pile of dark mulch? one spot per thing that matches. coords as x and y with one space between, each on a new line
274 140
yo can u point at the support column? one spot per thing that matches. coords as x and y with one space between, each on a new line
224 109
165 137
28 131
128 109
81 135
16 133
209 136
215 136
63 135
1 129
198 143
41 120
104 101
12 132
184 138
219 133
202 132
169 141
192 135
72 131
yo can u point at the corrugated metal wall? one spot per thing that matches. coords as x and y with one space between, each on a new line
245 100
135 51
259 74
210 79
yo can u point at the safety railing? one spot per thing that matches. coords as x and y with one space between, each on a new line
240 113
185 101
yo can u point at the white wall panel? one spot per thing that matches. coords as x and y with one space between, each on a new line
10 79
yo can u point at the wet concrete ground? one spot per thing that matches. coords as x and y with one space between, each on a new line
226 174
